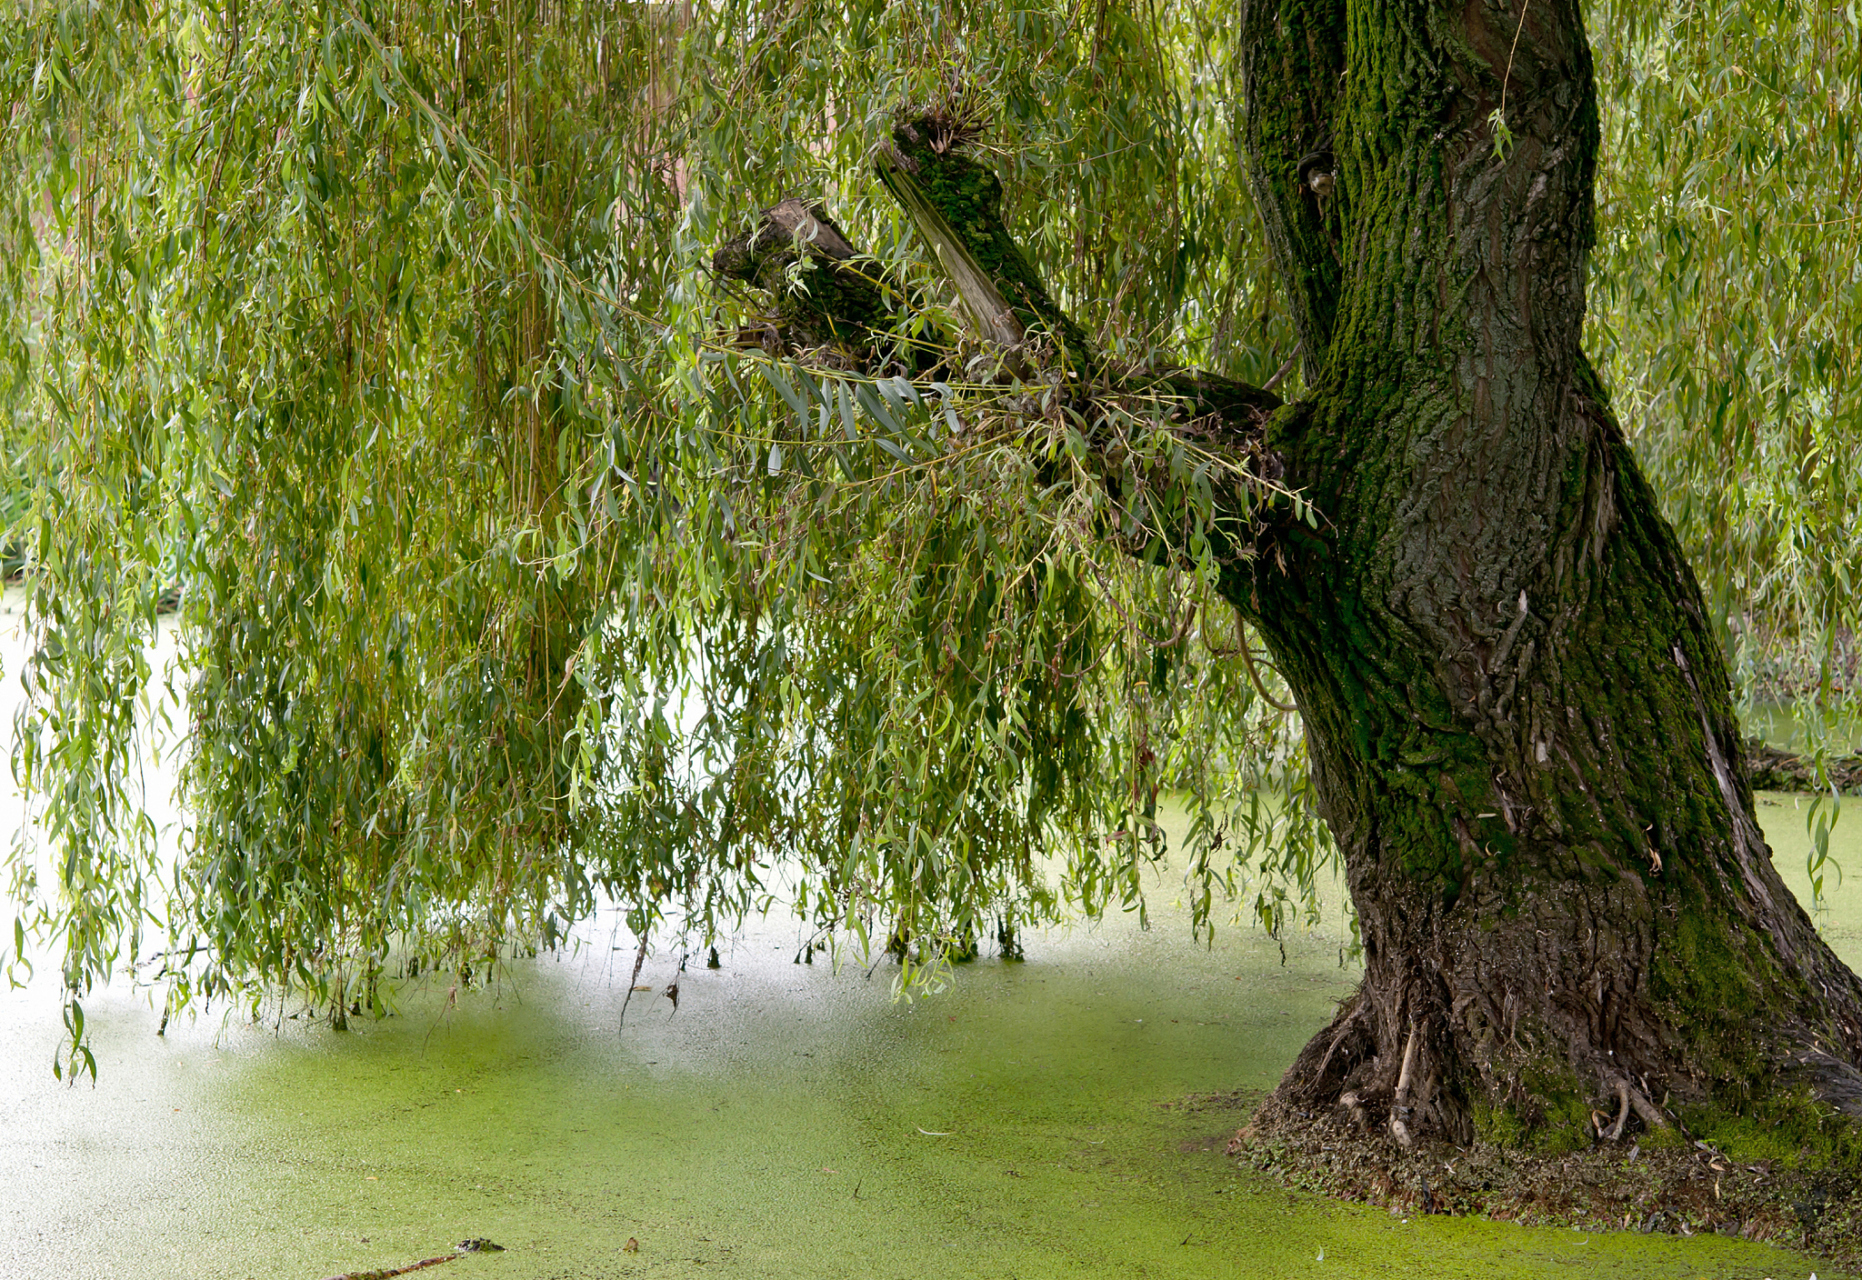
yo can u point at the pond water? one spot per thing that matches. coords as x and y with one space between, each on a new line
1783 724
1061 1117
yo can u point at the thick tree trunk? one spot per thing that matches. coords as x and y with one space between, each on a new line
1519 722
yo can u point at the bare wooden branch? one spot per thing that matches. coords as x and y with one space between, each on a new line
995 318
824 291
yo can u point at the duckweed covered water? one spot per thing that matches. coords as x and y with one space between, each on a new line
1050 1118
1063 1117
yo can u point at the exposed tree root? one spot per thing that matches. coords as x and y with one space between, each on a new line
1400 1110
1615 1131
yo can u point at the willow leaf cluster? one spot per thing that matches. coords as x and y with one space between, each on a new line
513 581
507 584
1727 310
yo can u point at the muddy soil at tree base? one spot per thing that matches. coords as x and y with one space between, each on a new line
1751 1184
1689 1188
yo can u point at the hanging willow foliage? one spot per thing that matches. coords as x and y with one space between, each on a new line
511 581
1727 309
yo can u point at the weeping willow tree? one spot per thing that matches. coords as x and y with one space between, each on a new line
507 585
672 455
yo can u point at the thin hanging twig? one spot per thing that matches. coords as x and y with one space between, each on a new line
1245 652
1247 660
639 960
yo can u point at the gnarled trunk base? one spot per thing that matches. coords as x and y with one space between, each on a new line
1572 927
1518 719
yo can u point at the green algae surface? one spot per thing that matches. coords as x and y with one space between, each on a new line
1060 1117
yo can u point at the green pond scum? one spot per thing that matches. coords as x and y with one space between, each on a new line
1065 1116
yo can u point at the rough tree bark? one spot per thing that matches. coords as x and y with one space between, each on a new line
844 305
1519 722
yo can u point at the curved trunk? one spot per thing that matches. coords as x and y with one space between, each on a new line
1520 724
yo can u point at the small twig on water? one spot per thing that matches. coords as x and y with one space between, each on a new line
464 1246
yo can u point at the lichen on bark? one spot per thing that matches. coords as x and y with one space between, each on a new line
823 293
925 155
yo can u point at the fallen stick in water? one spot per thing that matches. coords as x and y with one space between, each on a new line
463 1247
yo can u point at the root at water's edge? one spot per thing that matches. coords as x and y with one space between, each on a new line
1663 1181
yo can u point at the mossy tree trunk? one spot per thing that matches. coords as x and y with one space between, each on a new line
1519 720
